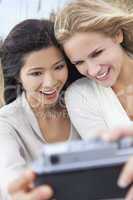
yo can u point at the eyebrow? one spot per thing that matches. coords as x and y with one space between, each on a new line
90 54
41 68
35 68
59 61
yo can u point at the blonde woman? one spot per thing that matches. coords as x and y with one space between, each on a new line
98 39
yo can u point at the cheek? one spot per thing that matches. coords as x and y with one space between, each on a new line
115 61
81 70
30 84
63 76
114 55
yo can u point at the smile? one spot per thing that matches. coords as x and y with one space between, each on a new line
103 75
51 92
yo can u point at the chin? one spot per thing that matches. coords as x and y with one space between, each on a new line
51 103
105 84
108 83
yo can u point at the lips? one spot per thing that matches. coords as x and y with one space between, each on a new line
104 75
50 95
51 92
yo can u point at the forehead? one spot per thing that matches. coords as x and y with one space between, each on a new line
43 57
80 41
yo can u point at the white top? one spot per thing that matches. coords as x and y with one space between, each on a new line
93 107
20 138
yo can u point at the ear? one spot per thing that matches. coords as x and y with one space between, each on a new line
118 38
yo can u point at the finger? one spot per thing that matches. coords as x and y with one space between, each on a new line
126 176
112 135
40 193
22 182
43 192
130 194
117 134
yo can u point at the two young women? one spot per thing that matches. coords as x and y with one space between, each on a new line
98 40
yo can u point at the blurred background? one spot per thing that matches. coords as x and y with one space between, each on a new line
14 11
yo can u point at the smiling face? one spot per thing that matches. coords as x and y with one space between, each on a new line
43 76
96 56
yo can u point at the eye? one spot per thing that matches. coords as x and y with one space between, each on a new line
36 74
59 67
97 53
78 63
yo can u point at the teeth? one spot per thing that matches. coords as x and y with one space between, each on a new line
49 92
102 75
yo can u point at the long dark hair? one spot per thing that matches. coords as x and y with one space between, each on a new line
29 35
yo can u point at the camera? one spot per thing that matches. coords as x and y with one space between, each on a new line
83 170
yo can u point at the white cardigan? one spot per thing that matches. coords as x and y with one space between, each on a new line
20 140
93 107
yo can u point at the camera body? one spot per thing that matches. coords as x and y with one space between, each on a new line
83 170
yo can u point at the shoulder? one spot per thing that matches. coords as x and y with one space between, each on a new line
82 82
81 89
81 85
10 111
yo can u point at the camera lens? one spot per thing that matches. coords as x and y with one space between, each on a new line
54 159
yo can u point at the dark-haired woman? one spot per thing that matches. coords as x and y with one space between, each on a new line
35 75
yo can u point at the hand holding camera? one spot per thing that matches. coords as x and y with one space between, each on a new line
90 168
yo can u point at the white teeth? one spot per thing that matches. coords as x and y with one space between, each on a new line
102 75
49 92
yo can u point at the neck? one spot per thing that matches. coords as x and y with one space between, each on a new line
47 112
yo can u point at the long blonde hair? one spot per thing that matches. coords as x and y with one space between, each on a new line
94 15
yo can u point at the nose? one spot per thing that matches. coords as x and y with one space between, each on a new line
48 80
92 68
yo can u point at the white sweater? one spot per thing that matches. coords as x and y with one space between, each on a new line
20 140
93 108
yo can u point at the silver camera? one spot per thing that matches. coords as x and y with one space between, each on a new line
83 170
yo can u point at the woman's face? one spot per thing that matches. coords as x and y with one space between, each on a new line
96 56
43 76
